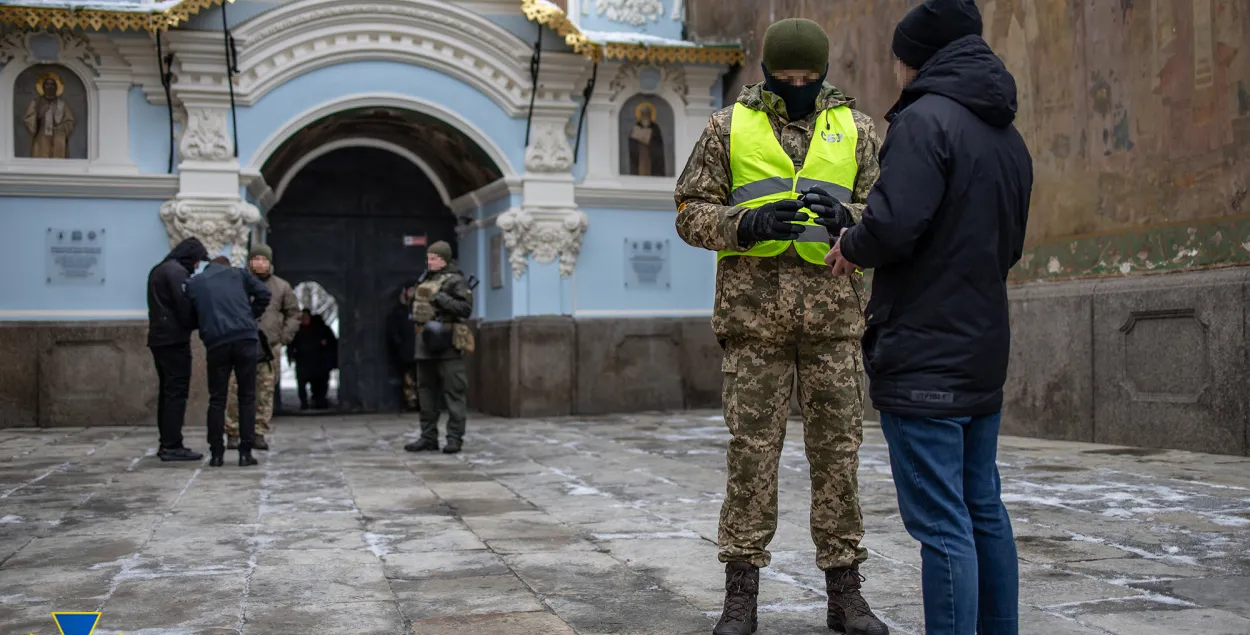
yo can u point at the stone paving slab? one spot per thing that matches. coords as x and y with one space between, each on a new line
570 526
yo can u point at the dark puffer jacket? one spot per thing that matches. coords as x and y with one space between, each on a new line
943 225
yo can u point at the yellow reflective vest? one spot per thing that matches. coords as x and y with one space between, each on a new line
763 173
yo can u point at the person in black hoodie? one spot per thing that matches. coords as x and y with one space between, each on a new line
228 302
170 322
943 225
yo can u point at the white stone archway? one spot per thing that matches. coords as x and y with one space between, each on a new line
362 142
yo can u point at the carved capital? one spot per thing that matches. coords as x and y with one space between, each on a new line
205 136
549 149
216 222
544 235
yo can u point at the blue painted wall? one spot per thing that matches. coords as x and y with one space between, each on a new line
664 26
135 242
493 304
307 91
600 276
149 134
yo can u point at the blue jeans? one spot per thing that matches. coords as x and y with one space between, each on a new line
951 501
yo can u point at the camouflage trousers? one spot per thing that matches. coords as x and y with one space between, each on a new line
265 378
758 382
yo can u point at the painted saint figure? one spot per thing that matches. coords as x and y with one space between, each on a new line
646 143
49 119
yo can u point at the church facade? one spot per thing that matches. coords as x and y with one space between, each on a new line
541 139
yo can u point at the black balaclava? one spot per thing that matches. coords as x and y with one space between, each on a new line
800 100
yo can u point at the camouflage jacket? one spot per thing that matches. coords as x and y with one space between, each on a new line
773 299
442 296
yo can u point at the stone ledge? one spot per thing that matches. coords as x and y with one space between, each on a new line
1151 361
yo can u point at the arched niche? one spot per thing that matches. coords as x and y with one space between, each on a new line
646 132
52 115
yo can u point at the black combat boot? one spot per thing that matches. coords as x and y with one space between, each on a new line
260 443
742 589
423 445
232 443
218 459
453 446
246 459
848 610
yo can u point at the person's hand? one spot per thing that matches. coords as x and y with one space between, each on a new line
772 221
838 264
829 211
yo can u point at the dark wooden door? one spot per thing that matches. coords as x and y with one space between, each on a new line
342 223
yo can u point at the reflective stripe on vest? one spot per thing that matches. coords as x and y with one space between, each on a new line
763 173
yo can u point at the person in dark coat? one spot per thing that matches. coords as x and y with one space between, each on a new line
943 225
170 322
314 354
228 305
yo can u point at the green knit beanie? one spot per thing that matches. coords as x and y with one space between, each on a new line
441 249
261 249
796 44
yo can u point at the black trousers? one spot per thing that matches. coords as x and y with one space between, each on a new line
239 358
320 383
173 374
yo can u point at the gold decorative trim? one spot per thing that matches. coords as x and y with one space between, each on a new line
100 20
554 18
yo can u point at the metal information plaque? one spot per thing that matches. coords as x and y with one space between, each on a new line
647 263
75 256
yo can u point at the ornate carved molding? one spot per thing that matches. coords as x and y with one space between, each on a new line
216 222
543 235
549 149
635 12
628 78
71 47
205 137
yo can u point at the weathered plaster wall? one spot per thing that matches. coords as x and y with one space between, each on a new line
1137 113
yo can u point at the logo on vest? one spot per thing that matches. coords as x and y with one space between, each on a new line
831 137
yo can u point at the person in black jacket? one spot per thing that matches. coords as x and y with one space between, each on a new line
170 322
228 302
314 353
943 225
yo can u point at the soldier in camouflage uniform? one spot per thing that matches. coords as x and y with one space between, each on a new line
441 306
784 318
279 323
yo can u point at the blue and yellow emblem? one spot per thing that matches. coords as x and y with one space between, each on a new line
76 622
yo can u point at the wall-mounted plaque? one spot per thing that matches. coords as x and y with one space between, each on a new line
75 256
647 263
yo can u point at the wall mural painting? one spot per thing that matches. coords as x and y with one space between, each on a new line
646 127
50 111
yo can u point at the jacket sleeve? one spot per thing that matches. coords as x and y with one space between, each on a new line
454 299
258 291
704 219
869 169
908 193
290 314
177 289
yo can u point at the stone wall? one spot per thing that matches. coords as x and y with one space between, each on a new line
1150 361
87 374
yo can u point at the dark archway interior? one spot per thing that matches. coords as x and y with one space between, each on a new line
460 163
347 221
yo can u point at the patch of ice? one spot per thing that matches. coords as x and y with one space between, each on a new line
11 520
379 544
582 490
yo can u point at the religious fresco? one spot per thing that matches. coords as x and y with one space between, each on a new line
646 125
50 112
1137 114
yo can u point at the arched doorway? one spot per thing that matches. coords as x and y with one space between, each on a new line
361 193
323 306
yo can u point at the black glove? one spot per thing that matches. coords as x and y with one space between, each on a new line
772 221
829 211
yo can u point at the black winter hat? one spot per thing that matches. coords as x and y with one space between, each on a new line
929 27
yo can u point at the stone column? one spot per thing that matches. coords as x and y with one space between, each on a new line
208 205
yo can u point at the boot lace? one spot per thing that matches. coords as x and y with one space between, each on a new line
845 594
737 600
